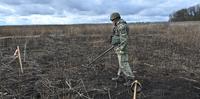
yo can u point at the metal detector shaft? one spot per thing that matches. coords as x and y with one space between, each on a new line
101 55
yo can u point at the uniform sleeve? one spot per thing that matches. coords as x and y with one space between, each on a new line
123 31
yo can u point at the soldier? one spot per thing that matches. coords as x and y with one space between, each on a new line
119 39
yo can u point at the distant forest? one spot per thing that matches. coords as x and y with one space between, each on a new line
187 14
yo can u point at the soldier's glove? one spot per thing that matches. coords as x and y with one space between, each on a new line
115 40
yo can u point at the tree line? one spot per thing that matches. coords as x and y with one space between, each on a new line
186 14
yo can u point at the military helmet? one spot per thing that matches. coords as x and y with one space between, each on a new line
114 15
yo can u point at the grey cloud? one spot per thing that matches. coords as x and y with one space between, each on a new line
5 12
80 7
93 8
19 2
11 2
39 1
130 10
34 9
154 12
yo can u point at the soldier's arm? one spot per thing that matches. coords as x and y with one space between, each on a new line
123 35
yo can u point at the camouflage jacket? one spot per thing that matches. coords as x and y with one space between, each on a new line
121 29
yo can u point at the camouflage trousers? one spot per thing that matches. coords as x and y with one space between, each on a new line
124 66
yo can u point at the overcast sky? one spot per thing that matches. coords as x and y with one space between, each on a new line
27 12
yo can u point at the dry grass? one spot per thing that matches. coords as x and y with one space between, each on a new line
167 49
185 33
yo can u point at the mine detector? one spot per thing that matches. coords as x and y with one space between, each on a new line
136 86
102 54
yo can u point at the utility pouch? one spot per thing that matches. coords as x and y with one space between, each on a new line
115 40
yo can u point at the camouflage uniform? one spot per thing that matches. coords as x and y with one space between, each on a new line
121 30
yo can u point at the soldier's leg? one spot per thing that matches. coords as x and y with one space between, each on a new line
125 67
119 61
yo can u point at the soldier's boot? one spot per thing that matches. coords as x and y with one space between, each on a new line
129 81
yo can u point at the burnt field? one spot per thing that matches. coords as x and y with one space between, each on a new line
165 56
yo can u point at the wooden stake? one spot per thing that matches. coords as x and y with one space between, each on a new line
20 60
135 90
135 84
